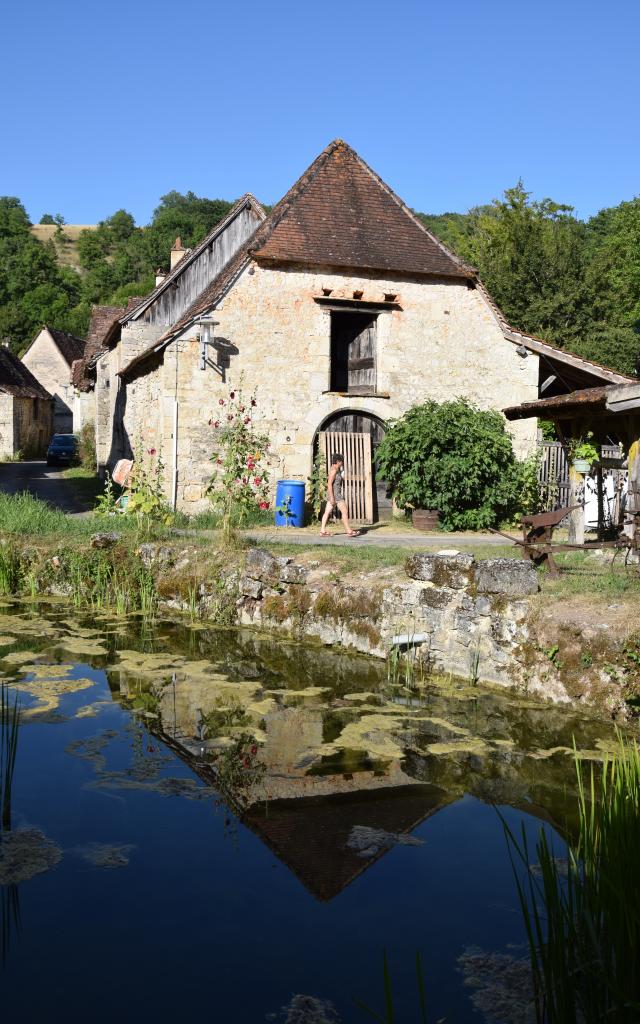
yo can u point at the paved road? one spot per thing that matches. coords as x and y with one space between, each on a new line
374 537
44 482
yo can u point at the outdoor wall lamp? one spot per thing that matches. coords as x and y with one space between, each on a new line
206 324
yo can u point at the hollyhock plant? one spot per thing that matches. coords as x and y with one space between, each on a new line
240 480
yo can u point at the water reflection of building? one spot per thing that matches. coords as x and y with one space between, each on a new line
310 800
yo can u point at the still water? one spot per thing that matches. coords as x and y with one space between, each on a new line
213 826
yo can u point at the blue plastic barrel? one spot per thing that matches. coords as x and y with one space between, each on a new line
289 503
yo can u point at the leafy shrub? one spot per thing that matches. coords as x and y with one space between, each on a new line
455 458
87 447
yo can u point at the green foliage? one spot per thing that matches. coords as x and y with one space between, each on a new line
47 218
145 489
455 458
87 447
317 491
582 913
239 483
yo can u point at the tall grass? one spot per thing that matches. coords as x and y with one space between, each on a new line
389 1010
9 726
10 571
583 916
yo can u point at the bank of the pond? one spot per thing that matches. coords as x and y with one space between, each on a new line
446 612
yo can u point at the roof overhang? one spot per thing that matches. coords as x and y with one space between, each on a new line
603 401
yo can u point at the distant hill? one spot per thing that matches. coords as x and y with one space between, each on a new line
65 243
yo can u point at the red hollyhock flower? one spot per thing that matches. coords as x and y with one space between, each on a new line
257 481
254 750
232 395
151 451
253 402
217 423
264 505
221 401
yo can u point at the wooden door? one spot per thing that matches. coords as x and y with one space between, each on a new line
358 476
353 353
361 367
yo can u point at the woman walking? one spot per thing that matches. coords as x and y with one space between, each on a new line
335 496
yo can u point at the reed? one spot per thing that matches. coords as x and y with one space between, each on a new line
9 726
10 571
582 915
389 1011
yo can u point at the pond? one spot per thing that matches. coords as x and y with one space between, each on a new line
209 823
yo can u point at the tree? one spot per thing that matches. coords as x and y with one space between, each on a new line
47 218
455 458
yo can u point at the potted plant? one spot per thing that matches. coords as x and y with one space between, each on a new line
582 454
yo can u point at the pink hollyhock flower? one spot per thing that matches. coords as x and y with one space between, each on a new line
221 401
257 481
151 451
264 505
253 402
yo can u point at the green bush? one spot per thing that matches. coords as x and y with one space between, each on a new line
455 458
87 447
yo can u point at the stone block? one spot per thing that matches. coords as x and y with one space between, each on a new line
454 571
192 492
506 576
104 540
250 587
262 565
292 573
152 553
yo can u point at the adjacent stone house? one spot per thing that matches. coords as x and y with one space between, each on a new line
26 409
49 358
339 309
92 405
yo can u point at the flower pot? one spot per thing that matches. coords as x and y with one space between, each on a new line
426 519
582 466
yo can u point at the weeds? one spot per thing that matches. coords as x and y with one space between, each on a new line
389 1012
10 570
583 917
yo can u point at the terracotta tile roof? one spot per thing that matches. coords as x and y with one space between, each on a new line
341 214
104 319
192 254
16 379
71 347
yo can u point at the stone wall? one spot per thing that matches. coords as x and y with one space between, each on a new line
32 425
460 616
47 364
6 426
442 344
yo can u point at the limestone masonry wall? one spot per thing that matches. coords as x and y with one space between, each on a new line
442 344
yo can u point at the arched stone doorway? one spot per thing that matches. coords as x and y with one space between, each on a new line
356 421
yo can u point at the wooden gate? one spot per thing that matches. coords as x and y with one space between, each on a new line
358 475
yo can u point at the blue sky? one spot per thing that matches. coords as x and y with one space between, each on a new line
111 105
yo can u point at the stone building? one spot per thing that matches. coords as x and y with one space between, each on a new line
92 405
50 357
26 409
339 309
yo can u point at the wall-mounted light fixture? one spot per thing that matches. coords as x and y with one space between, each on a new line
522 352
206 325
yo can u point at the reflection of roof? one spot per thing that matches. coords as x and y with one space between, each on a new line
602 400
16 379
310 835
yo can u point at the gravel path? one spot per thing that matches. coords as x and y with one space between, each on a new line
43 482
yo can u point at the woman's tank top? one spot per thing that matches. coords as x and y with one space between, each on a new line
338 486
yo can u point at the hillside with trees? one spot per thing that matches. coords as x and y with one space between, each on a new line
575 283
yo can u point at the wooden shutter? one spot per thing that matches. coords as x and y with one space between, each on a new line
362 361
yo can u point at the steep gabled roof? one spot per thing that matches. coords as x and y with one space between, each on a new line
68 345
104 320
16 379
192 254
341 214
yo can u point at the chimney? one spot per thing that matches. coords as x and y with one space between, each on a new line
160 276
177 252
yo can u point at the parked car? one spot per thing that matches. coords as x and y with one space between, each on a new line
63 448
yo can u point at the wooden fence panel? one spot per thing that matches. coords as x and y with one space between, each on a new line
358 470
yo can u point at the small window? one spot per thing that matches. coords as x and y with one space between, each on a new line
353 353
36 408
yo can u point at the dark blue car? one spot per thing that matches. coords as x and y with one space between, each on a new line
63 448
